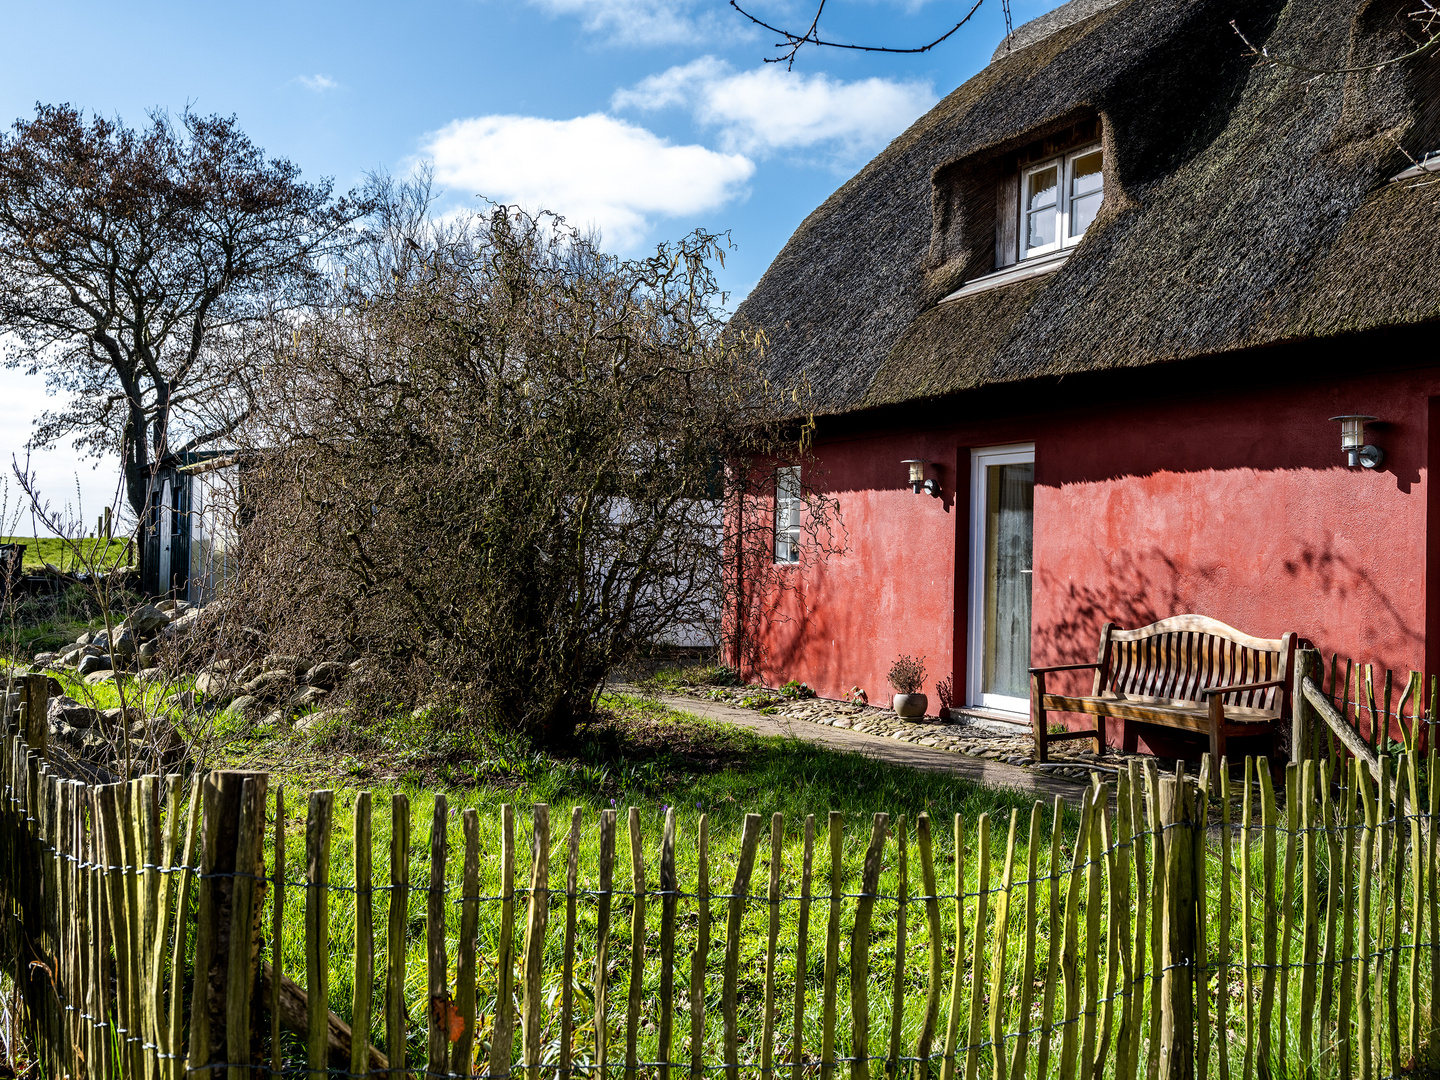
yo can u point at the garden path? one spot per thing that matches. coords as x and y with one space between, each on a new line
890 751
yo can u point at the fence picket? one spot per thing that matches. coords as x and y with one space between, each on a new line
997 960
1052 962
637 945
1287 903
739 890
832 950
317 930
1222 990
1247 941
1027 962
1432 867
1090 981
536 922
277 929
1310 925
1332 900
897 982
772 937
602 947
1343 1042
1117 918
802 947
935 945
397 916
1387 936
363 979
1365 1033
860 951
1267 877
1411 763
700 958
249 866
977 955
1157 922
669 890
462 1055
438 1002
567 972
502 1038
1129 1063
1069 960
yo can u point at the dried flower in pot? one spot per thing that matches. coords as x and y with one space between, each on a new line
907 675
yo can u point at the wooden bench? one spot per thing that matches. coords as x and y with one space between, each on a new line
1187 672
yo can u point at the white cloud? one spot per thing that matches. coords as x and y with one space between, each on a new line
643 22
317 83
769 109
595 170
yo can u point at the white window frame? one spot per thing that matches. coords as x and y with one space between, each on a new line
787 515
1064 164
980 460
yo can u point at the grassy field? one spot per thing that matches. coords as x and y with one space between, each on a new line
60 553
650 758
644 756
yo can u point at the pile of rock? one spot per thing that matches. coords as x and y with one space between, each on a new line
268 691
131 647
274 690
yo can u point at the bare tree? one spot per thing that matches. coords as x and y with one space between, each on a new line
793 40
133 265
503 462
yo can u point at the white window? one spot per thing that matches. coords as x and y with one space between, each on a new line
788 505
1059 199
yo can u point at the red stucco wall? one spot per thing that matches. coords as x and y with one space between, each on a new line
1236 505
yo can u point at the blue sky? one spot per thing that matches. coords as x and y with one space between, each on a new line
644 118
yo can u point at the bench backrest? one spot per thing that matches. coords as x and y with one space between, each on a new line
1171 661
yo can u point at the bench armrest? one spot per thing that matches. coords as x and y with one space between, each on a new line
1062 667
1241 687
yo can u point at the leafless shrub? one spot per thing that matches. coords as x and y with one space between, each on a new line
501 461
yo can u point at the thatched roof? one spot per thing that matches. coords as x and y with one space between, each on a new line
1244 206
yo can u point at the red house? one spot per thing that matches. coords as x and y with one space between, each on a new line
1111 293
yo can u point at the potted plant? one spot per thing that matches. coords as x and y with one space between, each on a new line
907 675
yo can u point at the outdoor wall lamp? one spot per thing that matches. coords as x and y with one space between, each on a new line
1352 441
918 483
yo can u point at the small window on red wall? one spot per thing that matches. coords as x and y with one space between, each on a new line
788 505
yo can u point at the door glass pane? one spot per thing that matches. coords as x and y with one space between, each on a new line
1009 523
1042 194
1086 190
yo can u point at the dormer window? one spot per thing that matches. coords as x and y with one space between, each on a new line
1059 199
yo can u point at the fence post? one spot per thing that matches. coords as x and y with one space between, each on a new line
1177 1008
35 697
227 941
1303 718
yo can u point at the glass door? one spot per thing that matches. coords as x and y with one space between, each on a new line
1002 494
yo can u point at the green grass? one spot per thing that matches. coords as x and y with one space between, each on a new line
651 759
62 553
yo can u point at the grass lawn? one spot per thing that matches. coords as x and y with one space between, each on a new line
651 758
62 553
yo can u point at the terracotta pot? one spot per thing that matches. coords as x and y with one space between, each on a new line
910 704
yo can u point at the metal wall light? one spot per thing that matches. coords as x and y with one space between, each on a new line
1352 441
918 483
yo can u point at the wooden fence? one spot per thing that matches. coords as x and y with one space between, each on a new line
1379 712
1178 929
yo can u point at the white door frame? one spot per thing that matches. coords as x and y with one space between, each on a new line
165 524
980 459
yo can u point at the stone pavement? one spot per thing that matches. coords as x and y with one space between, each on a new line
890 750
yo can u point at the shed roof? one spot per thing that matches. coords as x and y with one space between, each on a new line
1244 206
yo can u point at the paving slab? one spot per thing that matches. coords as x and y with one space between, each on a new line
891 751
